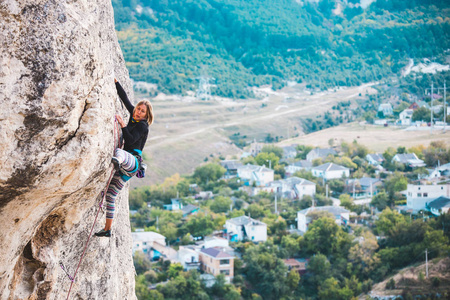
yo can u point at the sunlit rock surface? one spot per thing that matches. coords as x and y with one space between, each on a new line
58 61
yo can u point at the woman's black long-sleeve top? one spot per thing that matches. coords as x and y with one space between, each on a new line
135 133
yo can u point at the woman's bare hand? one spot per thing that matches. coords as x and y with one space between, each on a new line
120 121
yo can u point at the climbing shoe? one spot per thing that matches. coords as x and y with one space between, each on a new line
115 162
104 232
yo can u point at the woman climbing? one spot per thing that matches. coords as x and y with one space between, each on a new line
126 161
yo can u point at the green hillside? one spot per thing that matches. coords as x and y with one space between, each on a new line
256 42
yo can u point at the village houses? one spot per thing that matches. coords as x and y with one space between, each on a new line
292 188
244 227
330 171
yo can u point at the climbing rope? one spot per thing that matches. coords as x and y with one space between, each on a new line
117 140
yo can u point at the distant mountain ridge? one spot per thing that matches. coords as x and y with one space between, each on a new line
250 43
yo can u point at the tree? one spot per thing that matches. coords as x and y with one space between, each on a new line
141 262
221 204
290 244
421 114
273 149
346 201
208 172
326 237
293 279
267 159
388 220
259 259
320 269
198 225
362 255
330 290
395 183
380 201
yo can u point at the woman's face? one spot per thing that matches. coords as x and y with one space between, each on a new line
140 112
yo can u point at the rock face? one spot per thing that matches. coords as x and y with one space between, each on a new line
58 61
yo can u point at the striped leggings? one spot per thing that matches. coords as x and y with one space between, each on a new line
128 166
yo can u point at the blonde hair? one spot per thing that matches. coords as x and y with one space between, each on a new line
149 114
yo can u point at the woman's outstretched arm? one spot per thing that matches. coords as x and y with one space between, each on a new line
123 96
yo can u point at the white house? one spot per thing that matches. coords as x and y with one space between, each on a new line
409 159
417 196
292 188
244 227
341 215
440 171
145 242
260 175
330 171
215 241
297 166
439 206
188 258
406 117
175 204
319 153
289 151
386 108
375 159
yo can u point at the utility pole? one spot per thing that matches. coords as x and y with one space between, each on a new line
445 105
326 189
426 261
276 211
431 109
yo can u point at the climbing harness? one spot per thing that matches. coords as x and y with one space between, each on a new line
117 140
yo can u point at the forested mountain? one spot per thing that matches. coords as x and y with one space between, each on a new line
322 43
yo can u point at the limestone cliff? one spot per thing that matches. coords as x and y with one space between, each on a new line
58 61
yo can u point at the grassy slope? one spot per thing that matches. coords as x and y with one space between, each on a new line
408 279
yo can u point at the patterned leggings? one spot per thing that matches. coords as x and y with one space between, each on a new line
128 166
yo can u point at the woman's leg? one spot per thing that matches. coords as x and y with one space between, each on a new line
127 162
117 183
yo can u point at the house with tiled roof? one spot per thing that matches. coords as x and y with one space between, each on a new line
244 227
258 175
320 153
231 167
375 159
216 262
189 209
408 159
439 206
292 188
362 187
289 151
330 171
297 166
297 264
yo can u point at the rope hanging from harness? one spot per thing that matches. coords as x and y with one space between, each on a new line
117 140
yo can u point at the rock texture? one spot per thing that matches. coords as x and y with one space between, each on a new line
58 61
